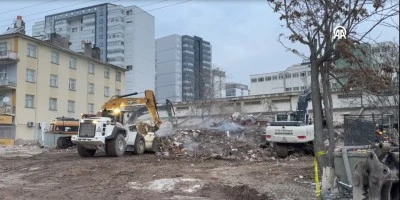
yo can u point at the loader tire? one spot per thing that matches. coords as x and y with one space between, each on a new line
139 145
83 152
64 142
282 150
116 146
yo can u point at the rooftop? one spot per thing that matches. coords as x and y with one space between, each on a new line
12 35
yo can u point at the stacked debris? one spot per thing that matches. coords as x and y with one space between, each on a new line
217 143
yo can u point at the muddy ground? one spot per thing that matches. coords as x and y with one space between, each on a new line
30 172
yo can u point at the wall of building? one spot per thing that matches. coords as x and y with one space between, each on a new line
141 40
42 91
169 68
131 38
294 78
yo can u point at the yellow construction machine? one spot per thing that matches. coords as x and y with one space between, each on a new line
108 132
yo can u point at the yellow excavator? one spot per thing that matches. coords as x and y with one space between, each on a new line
115 109
108 132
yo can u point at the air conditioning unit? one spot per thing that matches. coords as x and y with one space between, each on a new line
30 124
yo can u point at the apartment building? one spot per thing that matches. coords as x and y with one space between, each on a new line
237 90
40 81
294 78
218 83
183 68
125 36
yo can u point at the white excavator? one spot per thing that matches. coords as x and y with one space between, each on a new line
107 131
293 130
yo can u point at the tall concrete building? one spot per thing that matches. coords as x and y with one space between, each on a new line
40 81
125 36
183 68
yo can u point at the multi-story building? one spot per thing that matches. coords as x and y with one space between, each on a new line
125 36
218 83
40 81
294 78
183 68
237 90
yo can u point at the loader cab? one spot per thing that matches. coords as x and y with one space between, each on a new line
116 115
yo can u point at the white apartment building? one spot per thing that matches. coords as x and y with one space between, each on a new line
294 78
125 36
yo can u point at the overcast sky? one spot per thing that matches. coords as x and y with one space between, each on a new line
243 34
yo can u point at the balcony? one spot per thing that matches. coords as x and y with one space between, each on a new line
7 110
8 57
5 83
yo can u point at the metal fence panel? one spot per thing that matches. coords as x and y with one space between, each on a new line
359 130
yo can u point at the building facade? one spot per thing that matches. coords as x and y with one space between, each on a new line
294 78
40 81
125 36
218 84
237 90
183 68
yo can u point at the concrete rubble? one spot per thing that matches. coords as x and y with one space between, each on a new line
228 140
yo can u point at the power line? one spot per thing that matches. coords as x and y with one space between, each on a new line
150 9
48 11
5 26
28 7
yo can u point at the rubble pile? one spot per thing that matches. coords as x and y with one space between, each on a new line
216 143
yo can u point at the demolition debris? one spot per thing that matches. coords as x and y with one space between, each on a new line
228 141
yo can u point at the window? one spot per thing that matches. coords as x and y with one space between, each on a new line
30 75
91 88
53 80
32 50
129 12
106 91
117 92
309 73
288 89
3 48
302 74
295 75
90 108
29 101
295 88
274 77
72 84
54 57
91 68
72 63
268 78
280 76
288 76
303 87
52 104
71 106
74 30
106 73
254 80
261 79
118 76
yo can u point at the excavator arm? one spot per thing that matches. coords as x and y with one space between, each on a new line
117 102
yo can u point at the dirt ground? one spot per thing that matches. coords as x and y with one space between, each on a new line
30 172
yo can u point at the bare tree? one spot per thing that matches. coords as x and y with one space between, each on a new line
311 23
374 73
